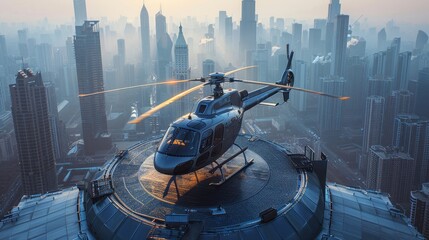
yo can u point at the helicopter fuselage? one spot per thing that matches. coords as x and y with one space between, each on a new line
200 138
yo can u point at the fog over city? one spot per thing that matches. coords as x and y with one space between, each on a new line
82 85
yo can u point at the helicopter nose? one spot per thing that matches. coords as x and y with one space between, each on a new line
171 165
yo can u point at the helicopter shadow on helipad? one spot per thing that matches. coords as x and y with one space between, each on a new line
194 190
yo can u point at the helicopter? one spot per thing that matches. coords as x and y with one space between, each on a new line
200 138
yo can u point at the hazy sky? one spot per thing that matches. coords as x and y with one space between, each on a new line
376 11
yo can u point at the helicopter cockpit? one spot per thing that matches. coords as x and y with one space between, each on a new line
180 142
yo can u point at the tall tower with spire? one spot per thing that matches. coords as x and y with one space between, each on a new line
181 69
146 57
247 28
181 57
145 40
334 10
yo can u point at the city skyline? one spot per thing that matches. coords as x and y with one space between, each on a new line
404 12
97 57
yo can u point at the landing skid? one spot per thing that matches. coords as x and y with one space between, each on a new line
220 166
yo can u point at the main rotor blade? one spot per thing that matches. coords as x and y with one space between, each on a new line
294 88
166 103
239 69
137 86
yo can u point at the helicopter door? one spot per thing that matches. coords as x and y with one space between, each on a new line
206 144
218 138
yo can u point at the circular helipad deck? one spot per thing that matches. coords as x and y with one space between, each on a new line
271 181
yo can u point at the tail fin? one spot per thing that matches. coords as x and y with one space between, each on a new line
288 77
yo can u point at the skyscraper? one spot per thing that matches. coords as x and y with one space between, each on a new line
221 27
340 45
181 57
297 39
391 172
421 97
59 140
163 45
334 10
399 102
90 79
403 65
3 51
391 63
22 43
421 40
373 125
314 41
79 12
330 111
145 41
33 133
181 69
419 213
411 135
247 28
382 40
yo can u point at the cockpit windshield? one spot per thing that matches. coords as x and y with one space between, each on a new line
180 142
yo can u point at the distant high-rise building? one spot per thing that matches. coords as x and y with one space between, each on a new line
90 79
2 97
421 40
121 51
373 125
321 24
3 51
229 45
7 148
378 67
164 46
356 82
357 49
382 40
247 28
297 38
145 42
181 57
33 133
403 65
79 12
379 87
340 45
181 69
22 43
314 41
299 99
391 172
399 102
329 40
59 140
422 108
411 135
221 27
208 67
391 64
334 10
330 110
419 212
45 58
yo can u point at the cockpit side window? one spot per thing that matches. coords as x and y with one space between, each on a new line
179 142
202 108
207 140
